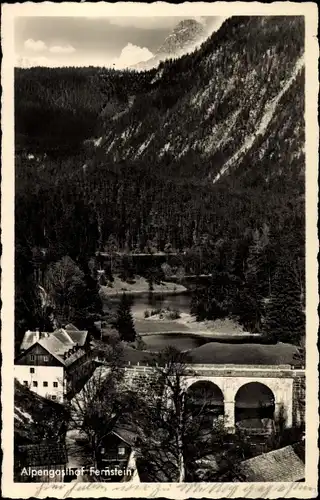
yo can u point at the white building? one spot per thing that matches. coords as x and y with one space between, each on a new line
42 370
45 360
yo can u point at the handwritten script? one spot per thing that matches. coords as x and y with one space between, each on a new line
174 491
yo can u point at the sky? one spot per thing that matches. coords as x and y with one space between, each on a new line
116 42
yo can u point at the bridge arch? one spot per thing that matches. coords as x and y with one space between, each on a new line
254 404
230 386
208 395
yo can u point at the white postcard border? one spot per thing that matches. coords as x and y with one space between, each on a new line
198 490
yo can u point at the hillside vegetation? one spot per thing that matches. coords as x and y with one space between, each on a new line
204 155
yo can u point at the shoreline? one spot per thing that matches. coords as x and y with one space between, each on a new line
154 292
204 334
187 325
106 291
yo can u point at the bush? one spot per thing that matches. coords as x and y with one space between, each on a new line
140 344
174 314
155 311
146 314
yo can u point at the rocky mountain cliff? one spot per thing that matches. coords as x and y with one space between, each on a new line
211 143
237 104
184 38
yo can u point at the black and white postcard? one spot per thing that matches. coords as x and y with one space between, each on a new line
159 266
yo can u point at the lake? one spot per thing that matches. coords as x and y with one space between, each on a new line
186 341
144 301
163 333
182 341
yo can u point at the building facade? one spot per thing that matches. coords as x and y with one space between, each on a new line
49 363
42 372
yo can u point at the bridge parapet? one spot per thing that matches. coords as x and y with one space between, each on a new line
280 371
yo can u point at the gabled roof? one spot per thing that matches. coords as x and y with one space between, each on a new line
70 327
282 465
54 347
64 337
50 346
58 342
29 339
79 337
125 434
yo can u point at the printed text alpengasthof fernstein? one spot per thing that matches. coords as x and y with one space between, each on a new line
81 471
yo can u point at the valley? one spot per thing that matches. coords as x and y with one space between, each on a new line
191 168
160 290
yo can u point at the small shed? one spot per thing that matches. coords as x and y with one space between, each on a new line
117 447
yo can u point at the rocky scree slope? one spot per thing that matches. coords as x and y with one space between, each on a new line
236 106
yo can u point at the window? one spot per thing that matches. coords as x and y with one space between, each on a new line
35 383
102 451
55 384
45 384
25 382
32 357
53 397
31 370
121 450
46 359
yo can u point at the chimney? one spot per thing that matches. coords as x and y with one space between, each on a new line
37 336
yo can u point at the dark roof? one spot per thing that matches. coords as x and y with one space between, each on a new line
282 465
30 409
73 357
42 454
126 434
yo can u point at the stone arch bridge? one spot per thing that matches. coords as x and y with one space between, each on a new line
238 388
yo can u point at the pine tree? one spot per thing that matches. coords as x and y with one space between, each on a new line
285 320
211 302
124 322
256 286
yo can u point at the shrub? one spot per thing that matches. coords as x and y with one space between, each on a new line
155 311
147 314
174 314
141 345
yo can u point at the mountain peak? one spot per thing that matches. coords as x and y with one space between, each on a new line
183 38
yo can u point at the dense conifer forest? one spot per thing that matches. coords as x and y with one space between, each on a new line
121 160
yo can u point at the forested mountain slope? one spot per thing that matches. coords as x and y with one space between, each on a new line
57 109
204 154
209 104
